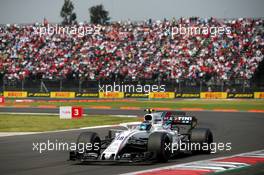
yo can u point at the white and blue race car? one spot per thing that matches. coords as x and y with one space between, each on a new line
161 136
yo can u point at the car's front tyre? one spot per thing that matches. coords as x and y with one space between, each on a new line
159 143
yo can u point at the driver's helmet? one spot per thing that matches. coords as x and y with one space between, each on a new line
145 126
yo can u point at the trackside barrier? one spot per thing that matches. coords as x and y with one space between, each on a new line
136 95
62 94
151 95
39 94
258 94
111 94
213 95
187 95
88 95
15 94
161 95
240 95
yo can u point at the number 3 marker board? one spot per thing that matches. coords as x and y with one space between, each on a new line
70 112
2 99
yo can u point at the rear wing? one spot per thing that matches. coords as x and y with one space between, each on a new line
184 120
150 110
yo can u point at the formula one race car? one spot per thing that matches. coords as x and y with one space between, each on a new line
161 136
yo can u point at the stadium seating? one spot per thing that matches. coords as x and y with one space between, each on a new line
134 51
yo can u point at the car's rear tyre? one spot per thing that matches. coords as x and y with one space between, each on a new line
92 140
204 138
159 143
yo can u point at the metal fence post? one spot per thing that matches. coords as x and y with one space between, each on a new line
180 86
80 85
3 84
243 85
60 84
41 90
22 85
201 84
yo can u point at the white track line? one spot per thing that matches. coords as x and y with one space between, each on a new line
10 107
27 113
6 134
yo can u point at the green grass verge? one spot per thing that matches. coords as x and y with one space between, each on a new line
36 123
174 104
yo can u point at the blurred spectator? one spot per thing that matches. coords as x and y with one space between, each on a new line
134 51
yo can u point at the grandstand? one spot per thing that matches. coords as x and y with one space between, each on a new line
135 52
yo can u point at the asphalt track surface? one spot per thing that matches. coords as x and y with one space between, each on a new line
243 130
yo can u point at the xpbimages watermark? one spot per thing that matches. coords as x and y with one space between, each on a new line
64 146
130 88
212 31
83 30
75 30
190 146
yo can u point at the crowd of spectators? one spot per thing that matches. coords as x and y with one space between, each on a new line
134 51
